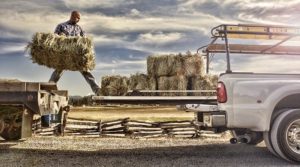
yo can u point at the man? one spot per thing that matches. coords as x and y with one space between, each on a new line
71 28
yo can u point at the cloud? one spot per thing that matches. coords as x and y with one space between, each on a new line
159 38
83 4
121 64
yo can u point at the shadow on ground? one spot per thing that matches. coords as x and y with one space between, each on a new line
202 155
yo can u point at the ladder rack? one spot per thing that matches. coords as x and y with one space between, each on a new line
251 32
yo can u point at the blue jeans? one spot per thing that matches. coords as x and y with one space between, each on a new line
88 76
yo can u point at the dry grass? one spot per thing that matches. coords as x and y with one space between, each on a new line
9 80
61 52
142 113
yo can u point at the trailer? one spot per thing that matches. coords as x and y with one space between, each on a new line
20 101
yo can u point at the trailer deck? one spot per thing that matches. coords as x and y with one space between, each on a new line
168 100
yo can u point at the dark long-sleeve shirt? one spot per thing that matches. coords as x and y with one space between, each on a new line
69 29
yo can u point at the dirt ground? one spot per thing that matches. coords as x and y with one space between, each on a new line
78 151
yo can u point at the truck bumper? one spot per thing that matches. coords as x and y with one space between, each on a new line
206 115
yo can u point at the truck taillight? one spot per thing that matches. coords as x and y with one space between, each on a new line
221 93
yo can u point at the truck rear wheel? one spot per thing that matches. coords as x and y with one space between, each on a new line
11 126
12 129
267 140
285 135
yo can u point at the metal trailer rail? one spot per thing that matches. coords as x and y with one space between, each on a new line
167 100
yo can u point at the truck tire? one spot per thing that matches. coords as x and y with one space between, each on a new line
285 135
267 140
13 128
256 137
11 133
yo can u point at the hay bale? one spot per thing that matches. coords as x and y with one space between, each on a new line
214 80
138 82
114 85
201 83
192 65
152 83
61 52
171 65
172 83
166 65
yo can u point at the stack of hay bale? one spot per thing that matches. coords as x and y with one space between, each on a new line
173 72
114 85
61 52
165 72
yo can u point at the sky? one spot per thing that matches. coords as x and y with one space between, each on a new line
125 32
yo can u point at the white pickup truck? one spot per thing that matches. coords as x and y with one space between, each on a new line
256 106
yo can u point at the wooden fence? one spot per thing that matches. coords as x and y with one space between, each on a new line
126 128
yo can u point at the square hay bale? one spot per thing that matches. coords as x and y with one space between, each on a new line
166 65
214 80
152 83
173 83
61 52
192 65
171 65
138 82
114 85
201 83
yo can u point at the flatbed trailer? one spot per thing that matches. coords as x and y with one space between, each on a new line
20 101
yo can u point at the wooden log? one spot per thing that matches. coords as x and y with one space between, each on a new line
79 134
183 133
150 136
112 132
143 129
46 134
148 132
135 122
114 129
182 129
76 122
144 126
177 126
206 132
81 128
113 121
111 124
183 136
113 135
184 121
45 130
211 135
145 134
80 131
82 119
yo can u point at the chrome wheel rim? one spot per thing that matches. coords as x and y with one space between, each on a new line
293 136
